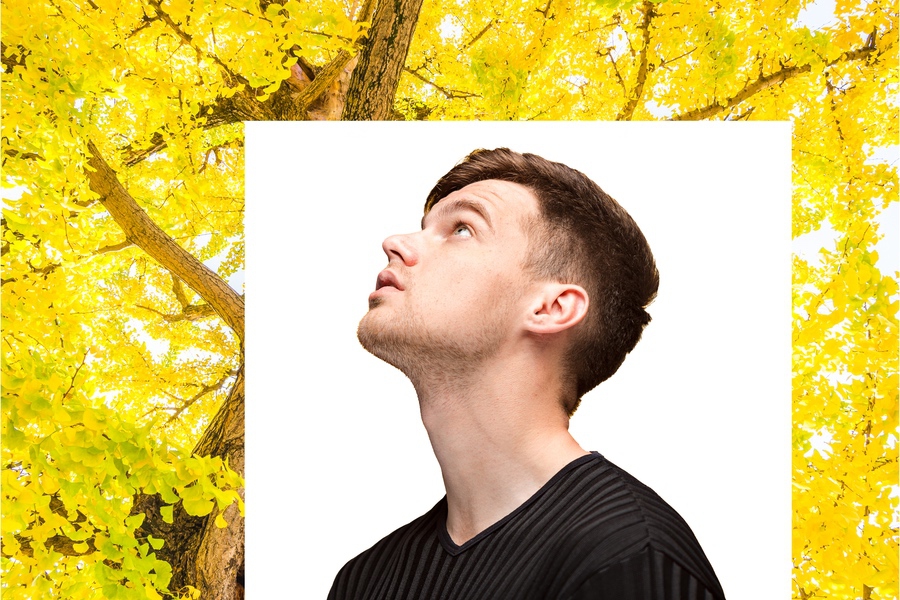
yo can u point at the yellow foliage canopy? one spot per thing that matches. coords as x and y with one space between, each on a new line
113 368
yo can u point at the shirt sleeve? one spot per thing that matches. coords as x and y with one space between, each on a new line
647 575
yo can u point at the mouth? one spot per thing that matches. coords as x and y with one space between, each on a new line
387 279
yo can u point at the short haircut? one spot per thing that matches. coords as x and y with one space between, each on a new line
583 237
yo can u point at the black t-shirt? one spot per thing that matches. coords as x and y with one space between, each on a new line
592 532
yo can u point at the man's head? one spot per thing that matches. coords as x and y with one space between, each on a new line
580 236
453 293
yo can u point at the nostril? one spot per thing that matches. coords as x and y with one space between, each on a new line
399 247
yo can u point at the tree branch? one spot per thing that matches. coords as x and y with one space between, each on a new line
627 111
323 80
132 156
45 271
314 83
448 94
616 70
72 383
26 155
8 61
479 34
113 247
668 61
189 40
58 543
179 292
188 313
764 83
203 391
143 232
226 111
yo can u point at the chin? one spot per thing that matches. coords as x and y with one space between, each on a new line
406 344
382 342
399 340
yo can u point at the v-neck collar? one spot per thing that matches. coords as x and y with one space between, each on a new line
453 549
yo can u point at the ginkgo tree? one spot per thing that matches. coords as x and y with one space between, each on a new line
122 155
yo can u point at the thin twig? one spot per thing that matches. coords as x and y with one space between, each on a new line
449 94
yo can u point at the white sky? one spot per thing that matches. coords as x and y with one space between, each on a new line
700 411
817 15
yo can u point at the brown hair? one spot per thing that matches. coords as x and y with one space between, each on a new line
584 237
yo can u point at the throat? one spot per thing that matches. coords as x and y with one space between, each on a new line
466 523
499 435
489 472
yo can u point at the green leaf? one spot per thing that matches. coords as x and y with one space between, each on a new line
135 521
199 507
167 493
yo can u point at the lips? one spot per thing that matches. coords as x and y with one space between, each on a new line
387 279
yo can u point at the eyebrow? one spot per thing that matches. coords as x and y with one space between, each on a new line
460 204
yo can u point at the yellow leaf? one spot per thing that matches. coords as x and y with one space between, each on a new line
151 592
49 484
62 416
198 508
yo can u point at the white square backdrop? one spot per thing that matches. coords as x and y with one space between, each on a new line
336 456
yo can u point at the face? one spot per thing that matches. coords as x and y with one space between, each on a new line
455 291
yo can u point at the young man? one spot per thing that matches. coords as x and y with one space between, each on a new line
525 288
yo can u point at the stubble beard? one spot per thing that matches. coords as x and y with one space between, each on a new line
406 342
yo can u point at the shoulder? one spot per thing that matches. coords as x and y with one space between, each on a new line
620 526
379 558
650 573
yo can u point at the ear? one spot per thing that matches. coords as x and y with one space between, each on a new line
558 306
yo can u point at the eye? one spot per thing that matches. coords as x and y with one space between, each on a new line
462 230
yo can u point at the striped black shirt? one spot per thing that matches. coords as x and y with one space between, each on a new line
592 532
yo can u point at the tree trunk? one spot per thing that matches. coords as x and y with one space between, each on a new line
375 78
201 555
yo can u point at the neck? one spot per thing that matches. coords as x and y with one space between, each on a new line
499 434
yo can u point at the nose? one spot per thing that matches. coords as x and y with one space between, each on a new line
400 247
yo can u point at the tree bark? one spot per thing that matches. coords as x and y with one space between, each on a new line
201 554
143 232
375 78
649 10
